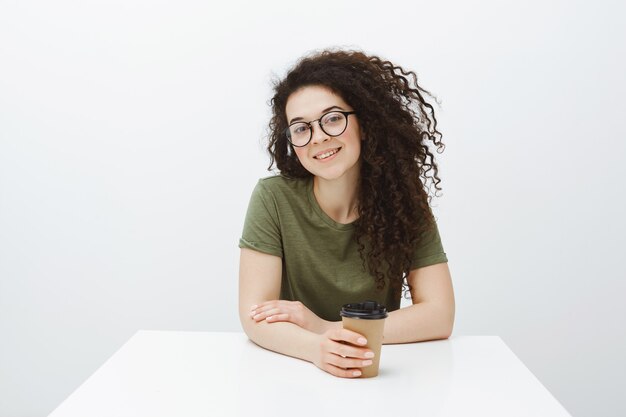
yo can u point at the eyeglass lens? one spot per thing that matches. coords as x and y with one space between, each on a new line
333 124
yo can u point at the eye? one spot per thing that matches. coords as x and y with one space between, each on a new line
300 128
333 118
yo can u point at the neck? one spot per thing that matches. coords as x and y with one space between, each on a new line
338 198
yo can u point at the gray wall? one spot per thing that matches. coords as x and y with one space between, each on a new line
131 135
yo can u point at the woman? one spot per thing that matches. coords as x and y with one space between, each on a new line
348 218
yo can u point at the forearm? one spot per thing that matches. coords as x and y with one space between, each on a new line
416 323
282 337
419 322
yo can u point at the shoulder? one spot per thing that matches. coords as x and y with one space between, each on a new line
281 185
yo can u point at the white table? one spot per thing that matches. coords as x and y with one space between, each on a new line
181 374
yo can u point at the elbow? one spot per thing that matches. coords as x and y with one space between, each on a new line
446 334
247 325
449 318
447 324
247 331
251 328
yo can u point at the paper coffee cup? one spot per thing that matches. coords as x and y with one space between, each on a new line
368 319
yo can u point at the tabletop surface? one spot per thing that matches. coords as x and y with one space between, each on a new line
168 373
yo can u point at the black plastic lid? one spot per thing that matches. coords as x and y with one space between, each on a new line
368 310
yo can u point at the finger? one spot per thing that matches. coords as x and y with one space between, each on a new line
350 351
262 315
278 317
347 363
284 304
264 304
348 336
342 373
260 309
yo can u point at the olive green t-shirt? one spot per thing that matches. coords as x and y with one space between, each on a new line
321 265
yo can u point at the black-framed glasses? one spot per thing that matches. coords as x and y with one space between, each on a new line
333 123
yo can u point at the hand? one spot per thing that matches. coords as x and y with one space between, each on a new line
291 311
341 353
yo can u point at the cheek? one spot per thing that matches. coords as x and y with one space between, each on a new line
356 146
301 154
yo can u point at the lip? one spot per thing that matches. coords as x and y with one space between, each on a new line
326 150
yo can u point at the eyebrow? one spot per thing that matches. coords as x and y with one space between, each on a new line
295 119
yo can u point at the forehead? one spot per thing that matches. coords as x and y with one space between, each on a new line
308 102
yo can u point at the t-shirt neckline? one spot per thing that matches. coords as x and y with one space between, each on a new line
325 217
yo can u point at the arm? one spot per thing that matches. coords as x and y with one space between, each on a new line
259 281
431 316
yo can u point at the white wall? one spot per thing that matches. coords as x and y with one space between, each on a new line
131 135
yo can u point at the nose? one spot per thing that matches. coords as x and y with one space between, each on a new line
318 135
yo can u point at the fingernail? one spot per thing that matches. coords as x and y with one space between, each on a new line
253 307
252 314
368 362
269 318
356 373
362 340
369 354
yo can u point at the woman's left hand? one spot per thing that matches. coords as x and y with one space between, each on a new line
291 311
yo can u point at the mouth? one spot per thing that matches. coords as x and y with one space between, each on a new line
327 154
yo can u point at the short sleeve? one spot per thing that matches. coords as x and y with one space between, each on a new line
430 250
261 229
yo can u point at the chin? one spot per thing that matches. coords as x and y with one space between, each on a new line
333 171
330 174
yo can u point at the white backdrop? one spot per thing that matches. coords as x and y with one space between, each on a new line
132 133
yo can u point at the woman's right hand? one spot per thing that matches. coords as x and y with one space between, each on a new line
342 353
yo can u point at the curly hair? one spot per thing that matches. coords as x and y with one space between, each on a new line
397 166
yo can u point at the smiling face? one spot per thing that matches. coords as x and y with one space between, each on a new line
325 156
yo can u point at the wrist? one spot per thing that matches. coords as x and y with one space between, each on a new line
328 325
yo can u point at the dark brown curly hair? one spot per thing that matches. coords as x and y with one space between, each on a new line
397 166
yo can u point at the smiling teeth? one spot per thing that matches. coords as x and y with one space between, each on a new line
327 154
